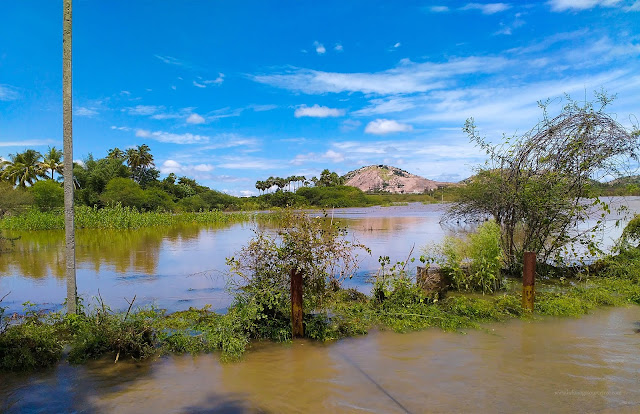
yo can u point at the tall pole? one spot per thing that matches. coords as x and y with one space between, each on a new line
69 230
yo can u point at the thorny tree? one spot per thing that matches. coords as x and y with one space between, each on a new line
537 185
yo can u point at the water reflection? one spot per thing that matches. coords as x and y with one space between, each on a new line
179 267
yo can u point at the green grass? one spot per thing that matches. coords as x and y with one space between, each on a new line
116 217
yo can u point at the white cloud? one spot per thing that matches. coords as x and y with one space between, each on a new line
319 47
488 8
386 126
162 136
407 77
199 85
313 157
195 119
83 111
317 111
26 143
8 93
438 9
216 81
397 45
197 171
240 163
634 7
563 5
144 110
338 47
121 128
386 106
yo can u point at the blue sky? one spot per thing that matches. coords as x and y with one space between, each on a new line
230 92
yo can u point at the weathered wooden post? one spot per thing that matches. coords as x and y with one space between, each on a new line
528 281
297 329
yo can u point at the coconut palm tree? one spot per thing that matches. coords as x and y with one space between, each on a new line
23 168
116 154
52 161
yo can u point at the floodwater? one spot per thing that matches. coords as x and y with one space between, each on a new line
586 365
181 267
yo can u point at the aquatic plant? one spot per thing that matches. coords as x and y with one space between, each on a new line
115 217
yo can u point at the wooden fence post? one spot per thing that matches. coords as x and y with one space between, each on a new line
528 281
297 329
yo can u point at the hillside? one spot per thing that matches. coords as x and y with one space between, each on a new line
384 178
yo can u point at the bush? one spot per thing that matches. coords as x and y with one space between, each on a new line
473 263
125 192
339 196
155 199
47 195
192 204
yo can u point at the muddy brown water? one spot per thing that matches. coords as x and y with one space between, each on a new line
180 267
585 365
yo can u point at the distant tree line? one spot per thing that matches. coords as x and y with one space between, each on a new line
294 182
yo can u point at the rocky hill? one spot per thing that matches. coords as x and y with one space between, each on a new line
385 178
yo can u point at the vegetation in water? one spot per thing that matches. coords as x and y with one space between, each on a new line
115 217
262 309
471 263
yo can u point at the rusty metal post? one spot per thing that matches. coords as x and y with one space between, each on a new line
421 276
528 281
297 329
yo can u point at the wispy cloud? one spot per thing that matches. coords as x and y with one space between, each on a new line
26 143
577 5
312 157
169 137
86 112
170 60
438 9
317 111
338 47
8 93
386 126
407 77
486 8
195 119
193 170
144 110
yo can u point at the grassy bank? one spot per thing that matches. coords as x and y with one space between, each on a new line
39 340
116 217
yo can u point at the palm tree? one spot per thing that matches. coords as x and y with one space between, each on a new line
23 168
115 154
67 133
52 161
133 158
144 156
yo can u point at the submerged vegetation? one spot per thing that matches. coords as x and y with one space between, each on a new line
317 247
115 217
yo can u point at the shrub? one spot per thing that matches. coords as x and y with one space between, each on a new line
123 191
473 263
47 195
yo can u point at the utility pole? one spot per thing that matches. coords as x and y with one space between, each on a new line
67 134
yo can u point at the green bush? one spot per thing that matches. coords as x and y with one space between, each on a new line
125 192
192 204
473 263
47 195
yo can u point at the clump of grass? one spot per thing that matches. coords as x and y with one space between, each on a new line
115 217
